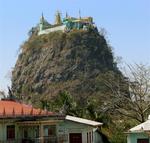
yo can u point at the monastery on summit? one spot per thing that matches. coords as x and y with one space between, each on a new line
66 24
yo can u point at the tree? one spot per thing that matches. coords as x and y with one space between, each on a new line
131 95
32 31
63 103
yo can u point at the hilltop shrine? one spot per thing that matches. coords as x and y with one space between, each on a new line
66 24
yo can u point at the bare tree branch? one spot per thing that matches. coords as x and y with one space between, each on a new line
135 102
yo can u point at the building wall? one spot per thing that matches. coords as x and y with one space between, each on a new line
18 130
63 129
1 132
97 138
3 129
132 137
58 28
67 127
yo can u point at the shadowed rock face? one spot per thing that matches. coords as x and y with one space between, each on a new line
60 61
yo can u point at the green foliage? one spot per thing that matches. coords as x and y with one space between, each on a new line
63 103
118 136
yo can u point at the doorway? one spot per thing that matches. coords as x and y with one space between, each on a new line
75 138
143 141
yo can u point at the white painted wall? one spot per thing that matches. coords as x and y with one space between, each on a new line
46 31
132 137
71 127
97 138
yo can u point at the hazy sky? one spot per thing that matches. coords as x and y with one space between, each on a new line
127 23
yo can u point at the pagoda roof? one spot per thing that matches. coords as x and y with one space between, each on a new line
13 109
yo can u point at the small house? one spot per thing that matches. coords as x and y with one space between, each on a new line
21 123
139 133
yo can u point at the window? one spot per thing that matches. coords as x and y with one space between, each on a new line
37 132
11 132
142 140
90 137
49 130
25 133
87 137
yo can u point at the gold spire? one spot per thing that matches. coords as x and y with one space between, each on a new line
79 14
58 18
66 15
42 18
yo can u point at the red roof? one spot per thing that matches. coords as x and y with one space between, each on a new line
9 108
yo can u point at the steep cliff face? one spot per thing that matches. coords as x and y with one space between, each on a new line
60 61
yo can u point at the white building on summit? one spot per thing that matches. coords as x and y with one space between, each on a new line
67 24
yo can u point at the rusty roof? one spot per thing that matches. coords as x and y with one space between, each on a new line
11 108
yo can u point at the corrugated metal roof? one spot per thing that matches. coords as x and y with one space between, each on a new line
10 108
83 121
141 127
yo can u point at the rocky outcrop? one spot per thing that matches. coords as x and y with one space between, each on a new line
60 61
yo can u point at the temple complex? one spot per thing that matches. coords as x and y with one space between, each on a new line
66 24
